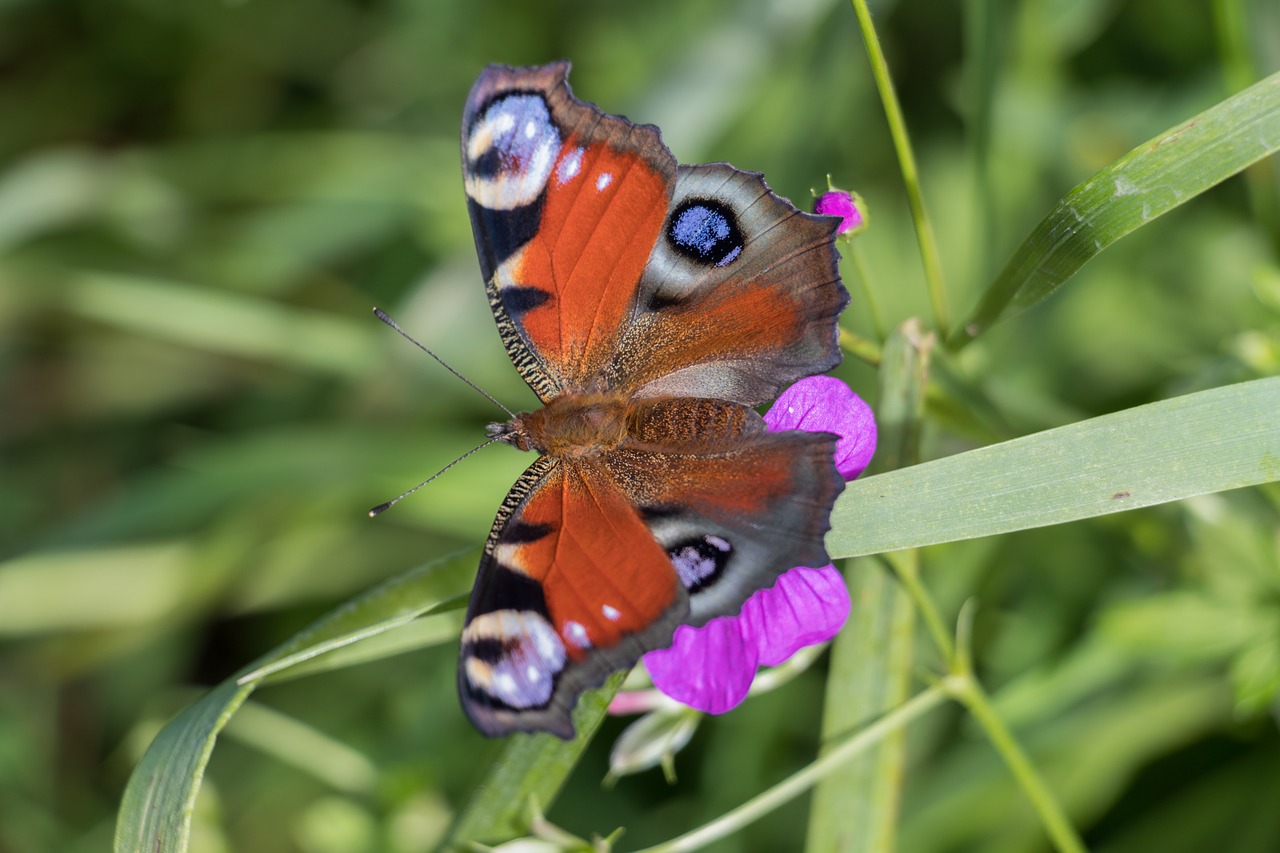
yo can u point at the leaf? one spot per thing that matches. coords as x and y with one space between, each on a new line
530 768
155 815
1206 442
856 807
227 323
1149 181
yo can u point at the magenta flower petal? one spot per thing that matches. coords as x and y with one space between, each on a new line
805 607
847 206
708 668
825 404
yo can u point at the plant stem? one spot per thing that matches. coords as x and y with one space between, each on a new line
910 578
856 258
910 174
966 690
765 802
860 347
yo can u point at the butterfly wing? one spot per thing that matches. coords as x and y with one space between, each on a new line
732 508
607 266
566 204
572 586
739 298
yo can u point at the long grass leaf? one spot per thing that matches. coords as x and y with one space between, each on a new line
1205 442
1148 182
155 815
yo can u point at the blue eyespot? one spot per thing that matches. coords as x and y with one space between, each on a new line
705 231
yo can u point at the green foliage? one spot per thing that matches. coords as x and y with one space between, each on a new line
199 205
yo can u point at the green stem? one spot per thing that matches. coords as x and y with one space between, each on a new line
966 690
1239 71
982 51
860 347
859 262
910 579
910 174
765 802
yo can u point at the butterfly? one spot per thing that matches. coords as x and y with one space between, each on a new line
649 306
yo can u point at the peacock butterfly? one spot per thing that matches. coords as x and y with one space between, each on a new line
649 306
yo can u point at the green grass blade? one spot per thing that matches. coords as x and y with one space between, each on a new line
925 239
1206 442
530 767
388 639
855 808
1149 181
1234 26
984 23
374 641
228 323
155 814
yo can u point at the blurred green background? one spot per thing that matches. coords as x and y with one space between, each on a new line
201 201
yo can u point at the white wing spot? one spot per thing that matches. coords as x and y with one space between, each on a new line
531 130
503 122
504 684
611 613
576 633
603 181
569 166
717 542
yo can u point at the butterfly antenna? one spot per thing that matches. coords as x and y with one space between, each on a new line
381 315
381 508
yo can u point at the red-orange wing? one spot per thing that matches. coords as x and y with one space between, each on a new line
566 205
572 586
740 296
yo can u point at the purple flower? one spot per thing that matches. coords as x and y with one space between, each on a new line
848 206
711 668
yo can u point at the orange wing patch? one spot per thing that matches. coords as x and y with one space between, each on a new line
603 211
602 573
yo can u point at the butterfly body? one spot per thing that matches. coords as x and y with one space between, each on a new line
584 425
649 306
573 425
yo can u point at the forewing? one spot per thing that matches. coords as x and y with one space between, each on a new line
566 205
739 298
572 587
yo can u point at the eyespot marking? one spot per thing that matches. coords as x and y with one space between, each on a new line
705 231
701 561
511 150
512 657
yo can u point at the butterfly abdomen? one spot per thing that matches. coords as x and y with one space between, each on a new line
690 423
580 425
